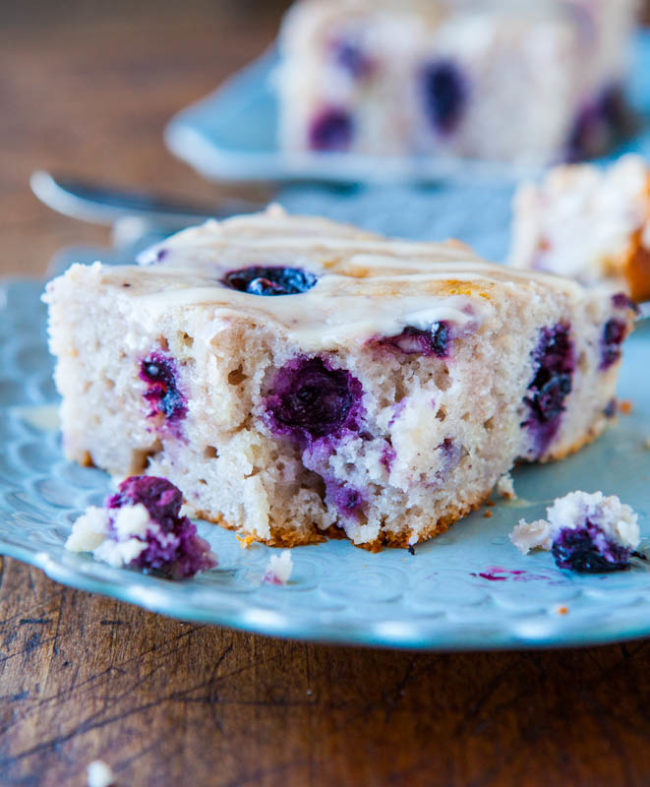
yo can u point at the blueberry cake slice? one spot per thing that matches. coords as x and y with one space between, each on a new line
525 82
588 223
298 378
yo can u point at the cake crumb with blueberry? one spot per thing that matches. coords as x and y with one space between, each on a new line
586 533
141 526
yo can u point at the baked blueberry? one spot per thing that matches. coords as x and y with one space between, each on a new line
587 550
331 131
163 394
554 364
270 280
412 341
614 334
444 91
311 399
349 54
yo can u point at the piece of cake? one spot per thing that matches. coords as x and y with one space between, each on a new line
589 223
526 82
296 377
587 533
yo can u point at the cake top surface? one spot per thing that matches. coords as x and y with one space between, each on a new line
328 282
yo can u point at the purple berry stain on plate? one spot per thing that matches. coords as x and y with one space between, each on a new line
498 574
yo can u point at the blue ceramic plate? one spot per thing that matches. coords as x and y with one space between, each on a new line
469 589
231 135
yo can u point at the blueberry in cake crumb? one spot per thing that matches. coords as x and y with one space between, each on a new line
609 411
445 95
586 533
348 501
141 526
270 280
312 399
614 334
163 394
554 365
412 341
588 551
331 131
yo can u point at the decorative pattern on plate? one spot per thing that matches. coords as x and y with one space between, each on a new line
468 589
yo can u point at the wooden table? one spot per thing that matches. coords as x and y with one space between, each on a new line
168 703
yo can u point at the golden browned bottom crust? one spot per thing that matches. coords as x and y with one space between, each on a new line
392 539
400 539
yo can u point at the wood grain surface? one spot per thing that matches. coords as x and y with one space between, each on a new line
86 88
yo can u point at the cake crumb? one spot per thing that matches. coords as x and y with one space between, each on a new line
647 443
100 774
506 487
244 541
587 533
562 610
625 406
279 568
490 504
411 549
488 514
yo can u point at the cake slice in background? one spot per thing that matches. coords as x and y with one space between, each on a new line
530 82
588 223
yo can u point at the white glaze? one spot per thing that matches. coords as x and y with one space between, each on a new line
367 285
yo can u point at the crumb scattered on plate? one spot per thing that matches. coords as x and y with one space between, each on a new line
245 541
587 533
625 406
141 526
279 568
